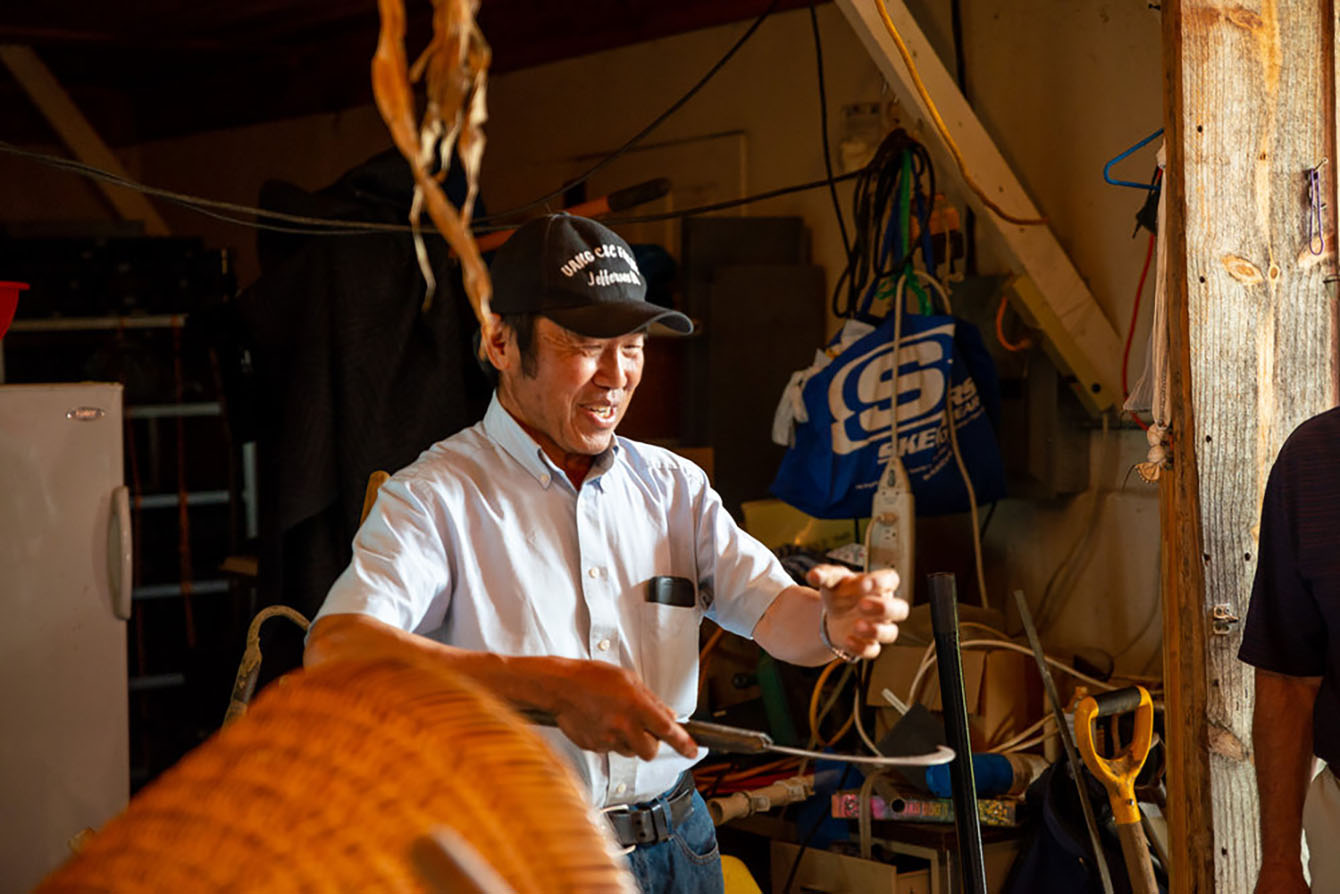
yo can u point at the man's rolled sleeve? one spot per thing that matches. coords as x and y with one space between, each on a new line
743 575
400 569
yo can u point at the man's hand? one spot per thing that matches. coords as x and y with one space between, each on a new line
598 706
1277 878
604 708
862 609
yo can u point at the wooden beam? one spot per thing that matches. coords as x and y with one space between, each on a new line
78 135
1082 338
1250 105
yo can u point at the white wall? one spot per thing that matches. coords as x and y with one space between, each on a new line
1063 88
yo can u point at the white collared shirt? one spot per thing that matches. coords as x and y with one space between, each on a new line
483 543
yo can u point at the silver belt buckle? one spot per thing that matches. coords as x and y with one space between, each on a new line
624 850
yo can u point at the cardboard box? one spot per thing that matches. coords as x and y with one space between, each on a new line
1002 688
834 873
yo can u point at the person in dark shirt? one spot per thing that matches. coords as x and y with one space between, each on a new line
1295 604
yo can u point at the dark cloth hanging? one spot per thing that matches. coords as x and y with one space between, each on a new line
349 374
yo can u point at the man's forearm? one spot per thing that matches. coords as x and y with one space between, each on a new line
862 614
789 629
1282 746
600 707
518 680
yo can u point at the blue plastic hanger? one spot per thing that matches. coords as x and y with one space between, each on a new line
1107 167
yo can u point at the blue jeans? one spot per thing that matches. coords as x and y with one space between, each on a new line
687 862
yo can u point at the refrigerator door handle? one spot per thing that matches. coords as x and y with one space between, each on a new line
120 560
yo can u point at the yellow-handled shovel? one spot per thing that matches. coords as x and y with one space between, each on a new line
1118 773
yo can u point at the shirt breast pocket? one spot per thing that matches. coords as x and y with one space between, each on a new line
669 642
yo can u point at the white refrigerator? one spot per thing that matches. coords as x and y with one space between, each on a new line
65 588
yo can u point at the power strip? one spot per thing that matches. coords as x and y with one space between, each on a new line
890 538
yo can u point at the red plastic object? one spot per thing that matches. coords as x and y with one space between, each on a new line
9 302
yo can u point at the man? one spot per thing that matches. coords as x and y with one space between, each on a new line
568 569
1295 604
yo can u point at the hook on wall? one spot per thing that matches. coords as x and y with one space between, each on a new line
1107 176
1316 241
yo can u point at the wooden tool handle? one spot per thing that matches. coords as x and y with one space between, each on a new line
1135 851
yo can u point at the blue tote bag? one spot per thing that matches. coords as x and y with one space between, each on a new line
839 449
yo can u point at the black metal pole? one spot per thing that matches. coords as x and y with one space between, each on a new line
944 621
1067 739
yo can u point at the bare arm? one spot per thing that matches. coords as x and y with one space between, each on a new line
599 707
862 615
1282 746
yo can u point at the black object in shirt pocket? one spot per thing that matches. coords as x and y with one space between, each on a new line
677 591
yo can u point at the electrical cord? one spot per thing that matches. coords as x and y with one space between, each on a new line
972 500
704 658
809 835
995 632
322 226
727 779
898 298
816 715
203 205
953 438
312 226
823 131
1030 743
870 261
986 522
726 204
1022 344
640 135
1013 741
929 658
942 129
860 727
326 226
960 60
856 720
1020 741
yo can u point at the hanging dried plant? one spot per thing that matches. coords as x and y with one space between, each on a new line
454 68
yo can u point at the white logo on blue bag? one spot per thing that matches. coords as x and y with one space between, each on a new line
859 394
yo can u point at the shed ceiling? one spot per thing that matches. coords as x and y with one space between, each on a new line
152 69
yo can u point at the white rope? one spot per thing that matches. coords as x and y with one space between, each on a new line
1153 391
1161 406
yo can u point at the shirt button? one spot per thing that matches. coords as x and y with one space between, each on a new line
620 789
593 572
603 645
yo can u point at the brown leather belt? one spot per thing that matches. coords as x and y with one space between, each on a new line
649 823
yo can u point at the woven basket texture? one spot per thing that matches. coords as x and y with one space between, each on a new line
331 776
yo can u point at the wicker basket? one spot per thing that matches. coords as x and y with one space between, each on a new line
331 778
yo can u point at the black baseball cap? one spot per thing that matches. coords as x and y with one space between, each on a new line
578 273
